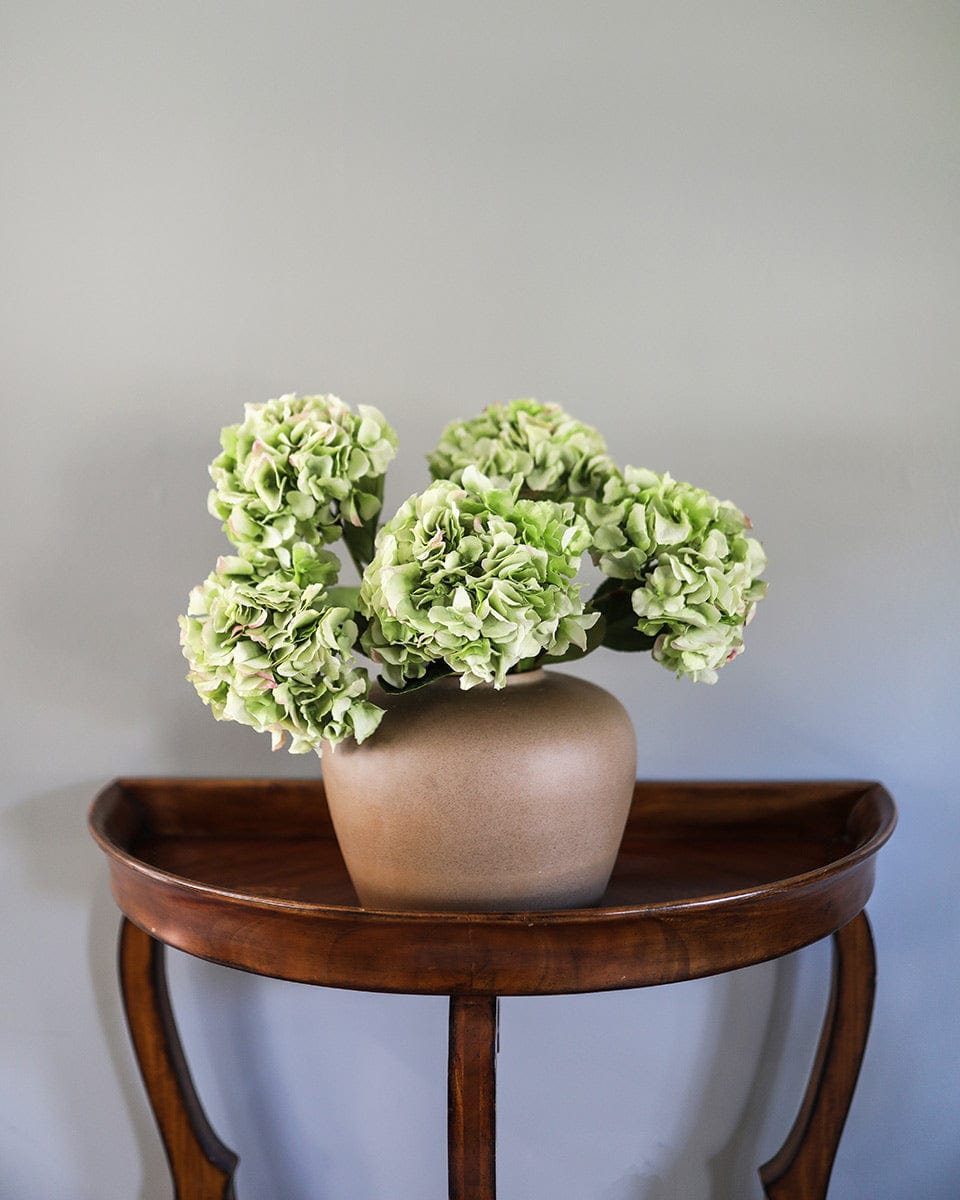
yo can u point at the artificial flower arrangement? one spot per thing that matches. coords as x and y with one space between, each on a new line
475 577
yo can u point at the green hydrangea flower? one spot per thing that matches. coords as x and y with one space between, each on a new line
272 652
471 580
301 469
698 601
640 513
554 456
697 570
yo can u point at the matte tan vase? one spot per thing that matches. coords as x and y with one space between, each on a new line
485 800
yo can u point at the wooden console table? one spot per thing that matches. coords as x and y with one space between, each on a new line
710 877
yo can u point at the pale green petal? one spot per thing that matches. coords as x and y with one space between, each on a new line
536 447
473 578
273 652
695 571
295 469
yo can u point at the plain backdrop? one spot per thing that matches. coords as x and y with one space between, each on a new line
725 234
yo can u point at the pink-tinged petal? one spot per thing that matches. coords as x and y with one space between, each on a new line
268 679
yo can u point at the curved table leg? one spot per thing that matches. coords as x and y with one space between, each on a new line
472 1098
201 1165
800 1170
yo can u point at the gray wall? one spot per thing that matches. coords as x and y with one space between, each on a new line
726 235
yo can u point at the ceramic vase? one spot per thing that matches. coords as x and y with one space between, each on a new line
485 800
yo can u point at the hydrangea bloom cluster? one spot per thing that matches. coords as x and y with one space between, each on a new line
555 456
267 643
693 571
470 579
299 469
473 578
270 651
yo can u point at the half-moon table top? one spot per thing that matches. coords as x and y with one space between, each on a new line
710 877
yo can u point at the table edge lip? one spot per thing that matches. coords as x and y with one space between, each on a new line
789 884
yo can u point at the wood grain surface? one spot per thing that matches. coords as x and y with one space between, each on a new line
710 877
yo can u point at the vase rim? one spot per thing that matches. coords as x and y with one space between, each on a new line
521 679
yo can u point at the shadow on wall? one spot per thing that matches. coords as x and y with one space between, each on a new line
739 1158
67 885
739 1112
732 1170
319 1090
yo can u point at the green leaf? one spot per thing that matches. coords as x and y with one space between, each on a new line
626 636
344 597
619 622
434 672
606 593
595 638
361 539
528 664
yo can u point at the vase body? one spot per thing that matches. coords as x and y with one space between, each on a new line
485 800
